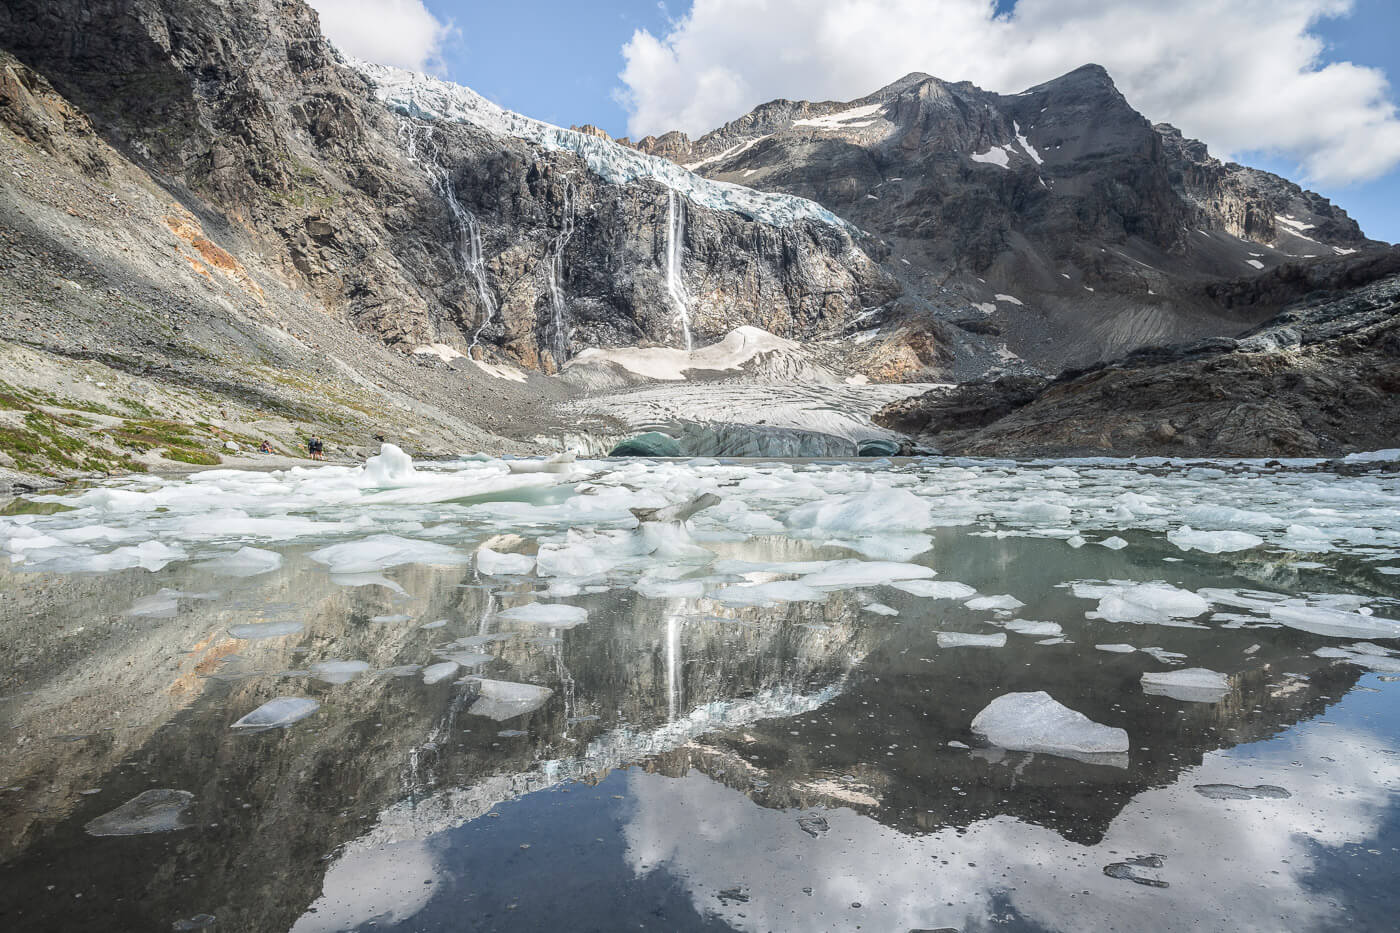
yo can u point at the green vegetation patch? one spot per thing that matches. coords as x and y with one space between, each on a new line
29 507
187 455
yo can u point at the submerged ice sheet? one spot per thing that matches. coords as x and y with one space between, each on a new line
152 811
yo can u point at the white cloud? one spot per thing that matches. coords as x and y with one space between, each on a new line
1245 75
387 32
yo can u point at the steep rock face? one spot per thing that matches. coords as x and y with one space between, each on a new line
1320 379
256 122
1062 218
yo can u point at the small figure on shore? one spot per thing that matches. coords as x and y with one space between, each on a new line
315 448
264 447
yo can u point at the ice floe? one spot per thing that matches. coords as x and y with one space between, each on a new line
1192 684
1036 722
1156 603
970 640
554 615
501 700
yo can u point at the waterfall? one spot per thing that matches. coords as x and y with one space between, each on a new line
673 661
559 335
675 254
466 250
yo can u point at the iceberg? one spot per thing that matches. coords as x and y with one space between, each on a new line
1036 722
1187 538
1192 685
1335 623
245 562
853 573
380 552
496 563
1157 603
1028 627
1004 602
873 512
968 640
338 672
501 699
434 673
935 589
554 615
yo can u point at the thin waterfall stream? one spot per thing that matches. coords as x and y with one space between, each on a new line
675 255
467 251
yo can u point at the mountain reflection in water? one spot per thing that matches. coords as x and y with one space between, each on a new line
808 765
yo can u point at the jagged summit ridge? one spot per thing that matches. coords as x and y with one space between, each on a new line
427 98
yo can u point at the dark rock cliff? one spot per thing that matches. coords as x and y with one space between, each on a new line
1075 228
250 116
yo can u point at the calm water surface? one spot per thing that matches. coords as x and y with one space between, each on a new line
694 766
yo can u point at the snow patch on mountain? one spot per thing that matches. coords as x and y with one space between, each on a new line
425 98
843 119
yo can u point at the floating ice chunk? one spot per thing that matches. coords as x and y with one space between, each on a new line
277 713
768 594
437 672
396 617
854 573
1075 541
338 672
881 510
1117 648
152 811
968 640
880 609
1371 660
1157 603
501 699
935 589
390 468
1213 542
554 615
1305 538
436 624
983 603
496 563
245 562
1036 722
380 552
1192 684
466 658
1224 516
1027 627
1114 543
1164 656
1040 512
254 630
558 463
1335 623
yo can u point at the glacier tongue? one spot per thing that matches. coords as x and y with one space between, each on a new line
426 98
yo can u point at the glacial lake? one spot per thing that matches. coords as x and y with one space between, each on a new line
451 696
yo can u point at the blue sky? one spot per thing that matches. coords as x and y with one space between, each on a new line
571 63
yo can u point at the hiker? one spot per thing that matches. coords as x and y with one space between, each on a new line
264 447
315 448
